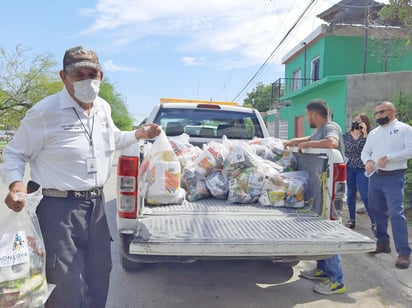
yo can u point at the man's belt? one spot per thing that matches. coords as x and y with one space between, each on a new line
73 194
389 172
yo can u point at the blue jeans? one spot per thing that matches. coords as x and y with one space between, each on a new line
332 267
357 181
386 199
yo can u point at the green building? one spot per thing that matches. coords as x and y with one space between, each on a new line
352 67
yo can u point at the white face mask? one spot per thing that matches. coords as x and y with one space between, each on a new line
87 90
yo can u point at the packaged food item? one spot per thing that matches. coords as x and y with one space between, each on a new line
22 256
245 186
194 184
272 195
160 174
218 184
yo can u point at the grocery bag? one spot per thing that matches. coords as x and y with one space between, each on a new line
160 174
22 256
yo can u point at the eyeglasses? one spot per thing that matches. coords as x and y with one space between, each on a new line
381 111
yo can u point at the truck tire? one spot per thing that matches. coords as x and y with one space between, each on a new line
127 263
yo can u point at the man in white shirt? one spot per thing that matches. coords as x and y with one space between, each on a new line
69 139
385 154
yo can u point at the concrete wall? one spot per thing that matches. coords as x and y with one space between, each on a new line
364 91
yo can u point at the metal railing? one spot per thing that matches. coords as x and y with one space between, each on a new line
284 86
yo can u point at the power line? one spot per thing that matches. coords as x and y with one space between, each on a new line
274 50
253 29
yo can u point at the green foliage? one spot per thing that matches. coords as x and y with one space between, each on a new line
399 10
26 78
120 114
259 98
403 113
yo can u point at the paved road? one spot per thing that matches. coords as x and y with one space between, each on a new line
371 281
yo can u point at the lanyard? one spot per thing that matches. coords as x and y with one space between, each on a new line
89 135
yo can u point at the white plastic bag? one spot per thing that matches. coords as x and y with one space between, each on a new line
22 256
160 174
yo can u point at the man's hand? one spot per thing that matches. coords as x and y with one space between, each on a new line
13 201
382 162
369 166
290 143
148 131
303 145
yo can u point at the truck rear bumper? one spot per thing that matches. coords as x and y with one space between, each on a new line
301 238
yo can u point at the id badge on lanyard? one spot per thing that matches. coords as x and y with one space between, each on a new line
91 165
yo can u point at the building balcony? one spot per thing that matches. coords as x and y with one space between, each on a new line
284 86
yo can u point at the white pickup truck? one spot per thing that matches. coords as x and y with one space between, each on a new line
215 229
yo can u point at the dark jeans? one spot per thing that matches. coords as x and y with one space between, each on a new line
78 258
386 199
357 181
332 267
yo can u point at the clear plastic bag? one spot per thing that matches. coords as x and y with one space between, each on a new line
22 256
160 174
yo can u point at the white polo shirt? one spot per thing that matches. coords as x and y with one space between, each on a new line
394 141
57 144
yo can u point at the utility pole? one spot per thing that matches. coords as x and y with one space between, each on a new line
365 40
304 65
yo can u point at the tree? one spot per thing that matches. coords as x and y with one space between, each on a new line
120 114
25 78
399 10
403 104
259 98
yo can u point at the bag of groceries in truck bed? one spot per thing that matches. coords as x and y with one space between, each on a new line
22 256
257 171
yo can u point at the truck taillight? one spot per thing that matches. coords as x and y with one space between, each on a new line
127 173
339 190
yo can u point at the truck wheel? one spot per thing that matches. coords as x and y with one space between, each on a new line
129 265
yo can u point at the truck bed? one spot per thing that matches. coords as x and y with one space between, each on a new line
212 228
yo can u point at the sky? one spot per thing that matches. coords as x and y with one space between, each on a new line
210 50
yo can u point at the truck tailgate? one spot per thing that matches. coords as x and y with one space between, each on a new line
212 229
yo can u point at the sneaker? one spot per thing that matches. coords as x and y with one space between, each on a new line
328 287
313 274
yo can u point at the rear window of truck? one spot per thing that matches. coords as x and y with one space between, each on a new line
209 123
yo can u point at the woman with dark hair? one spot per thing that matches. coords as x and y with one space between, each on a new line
354 141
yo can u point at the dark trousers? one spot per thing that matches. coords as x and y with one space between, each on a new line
386 202
357 181
78 257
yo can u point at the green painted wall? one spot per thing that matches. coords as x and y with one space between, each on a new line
339 56
312 52
334 93
343 55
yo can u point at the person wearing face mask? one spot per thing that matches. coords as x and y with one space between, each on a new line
69 140
385 154
354 140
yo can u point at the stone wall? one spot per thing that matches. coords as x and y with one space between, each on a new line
364 91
